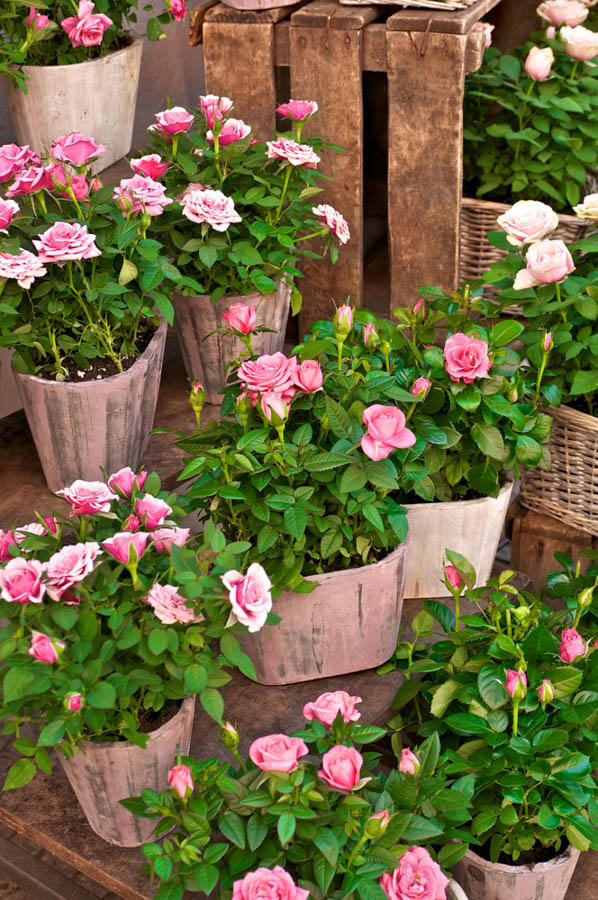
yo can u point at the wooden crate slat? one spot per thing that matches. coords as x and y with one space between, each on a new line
196 19
329 14
223 13
459 22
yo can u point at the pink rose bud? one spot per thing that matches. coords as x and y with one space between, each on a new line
87 28
131 523
151 511
292 153
420 307
377 824
274 408
585 597
73 701
572 645
232 131
550 32
417 875
240 317
513 395
343 320
409 763
180 780
308 376
386 431
466 358
126 547
539 63
178 9
168 605
421 387
164 538
326 708
452 576
88 497
76 148
370 335
546 691
45 649
7 540
298 110
123 481
229 736
341 767
214 107
51 525
249 596
563 12
151 166
516 684
266 883
21 581
173 121
579 42
547 343
69 566
486 28
277 753
37 18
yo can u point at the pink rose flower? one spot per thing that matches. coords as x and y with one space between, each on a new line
546 691
341 767
24 267
131 523
169 606
180 780
21 581
291 152
420 305
164 538
342 320
141 194
24 531
370 335
269 373
8 210
76 148
563 12
120 545
416 876
151 511
516 684
86 28
212 207
63 180
268 884
579 42
123 481
277 752
232 131
240 317
69 566
298 110
65 241
326 708
14 158
214 107
333 220
73 701
421 386
539 63
30 181
466 358
7 540
409 763
486 28
178 9
88 497
589 208
571 645
274 405
453 577
249 595
386 431
308 376
45 649
546 263
173 121
151 165
37 18
528 221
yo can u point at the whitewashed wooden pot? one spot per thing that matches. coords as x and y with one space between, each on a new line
205 359
483 880
454 891
469 527
9 396
102 774
80 427
350 622
96 97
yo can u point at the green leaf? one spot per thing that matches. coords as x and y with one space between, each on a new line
52 733
15 685
331 542
256 831
450 799
339 419
128 271
324 872
164 307
286 827
266 537
208 254
206 877
369 890
484 821
463 567
157 641
231 825
212 703
353 479
491 686
443 697
102 696
195 678
373 516
322 462
326 841
420 829
20 773
505 332
466 723
365 734
564 679
489 440
295 520
528 451
585 382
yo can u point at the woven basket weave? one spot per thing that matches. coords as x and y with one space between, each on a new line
569 492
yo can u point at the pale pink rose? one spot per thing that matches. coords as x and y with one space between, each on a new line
8 210
249 595
563 12
65 241
539 63
421 386
516 683
178 9
63 180
454 579
164 538
291 152
36 17
571 645
141 194
240 317
21 581
45 649
76 148
169 606
214 107
589 208
86 28
180 780
298 110
579 42
370 335
24 531
277 752
343 319
88 497
546 263
386 431
69 566
125 480
212 207
151 165
326 708
151 511
7 540
341 767
528 221
13 158
269 373
30 181
173 121
268 884
120 545
333 220
486 28
274 405
550 32
24 267
546 691
95 184
409 763
466 358
420 305
232 131
417 877
547 343
308 376
73 701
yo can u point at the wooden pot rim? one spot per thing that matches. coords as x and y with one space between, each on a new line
326 577
105 746
537 869
442 504
135 43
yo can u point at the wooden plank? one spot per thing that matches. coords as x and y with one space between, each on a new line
474 51
222 13
196 20
373 46
425 100
40 880
514 21
458 22
328 14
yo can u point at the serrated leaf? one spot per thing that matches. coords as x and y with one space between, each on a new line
20 773
231 825
286 827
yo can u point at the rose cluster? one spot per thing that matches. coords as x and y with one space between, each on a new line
273 380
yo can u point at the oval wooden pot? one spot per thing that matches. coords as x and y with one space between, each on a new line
102 774
348 623
96 97
454 891
483 880
205 360
470 527
79 427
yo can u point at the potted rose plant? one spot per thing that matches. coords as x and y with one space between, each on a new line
285 826
238 228
110 622
83 283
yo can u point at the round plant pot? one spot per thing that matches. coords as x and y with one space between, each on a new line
205 359
102 774
79 427
96 97
483 880
469 527
454 891
348 623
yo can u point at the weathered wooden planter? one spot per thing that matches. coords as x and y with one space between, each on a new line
9 395
79 428
258 4
96 97
205 357
102 774
483 880
348 623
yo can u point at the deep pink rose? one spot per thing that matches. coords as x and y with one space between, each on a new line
539 63
563 12
326 708
7 540
571 645
421 386
417 877
249 595
516 684
528 221
38 18
579 42
178 9
169 606
308 376
151 165
420 306
453 577
214 107
125 480
73 701
24 267
141 194
69 566
180 780
88 497
269 373
386 431
409 763
333 220
274 405
240 317
62 181
65 241
298 110
51 525
268 884
232 131
277 752
131 523
173 121
466 358
30 181
341 767
486 28
291 152
164 538
45 649
14 158
76 148
120 545
546 263
212 207
153 509
8 210
21 581
86 28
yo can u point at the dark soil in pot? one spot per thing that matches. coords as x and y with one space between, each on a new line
537 854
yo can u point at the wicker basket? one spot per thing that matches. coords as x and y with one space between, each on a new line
569 492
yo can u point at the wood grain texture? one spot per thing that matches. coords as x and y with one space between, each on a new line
458 22
196 19
328 14
514 21
483 880
474 51
252 5
223 13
